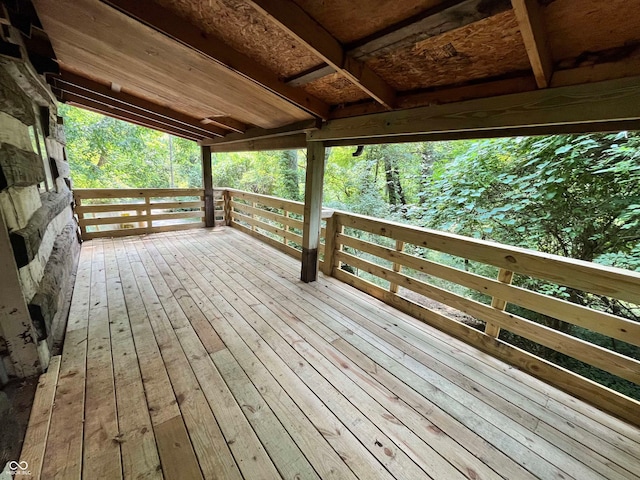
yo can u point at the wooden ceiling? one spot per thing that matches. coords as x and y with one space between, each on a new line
213 69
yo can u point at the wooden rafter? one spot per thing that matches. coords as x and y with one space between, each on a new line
124 102
295 21
262 134
442 18
532 28
78 101
164 21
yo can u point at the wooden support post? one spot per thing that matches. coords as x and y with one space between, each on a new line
332 228
393 287
312 211
15 321
227 207
207 179
504 276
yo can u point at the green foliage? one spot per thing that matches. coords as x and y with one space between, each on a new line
107 153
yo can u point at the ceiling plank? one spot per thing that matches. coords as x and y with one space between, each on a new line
164 21
533 30
262 133
295 21
88 104
83 86
611 101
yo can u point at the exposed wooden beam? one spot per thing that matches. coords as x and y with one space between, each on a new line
312 211
263 134
444 17
310 75
295 21
114 110
225 122
88 104
166 22
78 85
443 95
290 142
596 103
207 180
472 135
533 30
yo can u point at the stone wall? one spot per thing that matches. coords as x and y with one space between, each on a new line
38 233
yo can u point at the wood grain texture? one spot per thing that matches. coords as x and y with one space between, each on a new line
19 168
85 39
212 329
35 440
611 101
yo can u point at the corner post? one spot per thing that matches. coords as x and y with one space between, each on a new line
209 207
312 211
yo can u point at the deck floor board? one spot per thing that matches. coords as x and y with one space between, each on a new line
199 354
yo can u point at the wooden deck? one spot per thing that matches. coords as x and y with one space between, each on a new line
199 354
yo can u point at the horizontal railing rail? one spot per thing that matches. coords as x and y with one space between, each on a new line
384 255
118 212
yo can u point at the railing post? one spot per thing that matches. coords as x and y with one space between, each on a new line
209 206
227 207
312 211
147 202
286 228
393 287
331 229
504 276
253 215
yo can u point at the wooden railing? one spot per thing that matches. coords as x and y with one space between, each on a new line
393 258
275 221
118 212
387 261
